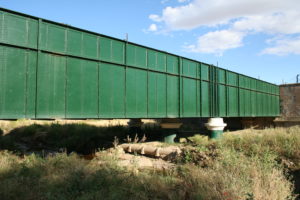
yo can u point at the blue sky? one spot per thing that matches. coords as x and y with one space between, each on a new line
259 38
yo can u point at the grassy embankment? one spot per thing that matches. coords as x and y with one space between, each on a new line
248 165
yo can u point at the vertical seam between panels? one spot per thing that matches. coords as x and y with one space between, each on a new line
26 84
125 78
166 90
200 88
66 64
98 79
2 35
37 65
66 86
147 67
27 32
238 95
197 92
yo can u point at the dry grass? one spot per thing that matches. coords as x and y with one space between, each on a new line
232 176
282 142
8 126
246 165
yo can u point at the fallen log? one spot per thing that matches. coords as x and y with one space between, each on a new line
144 149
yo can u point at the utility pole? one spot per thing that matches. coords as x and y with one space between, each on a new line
297 78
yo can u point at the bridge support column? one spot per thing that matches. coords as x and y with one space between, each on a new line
170 127
216 127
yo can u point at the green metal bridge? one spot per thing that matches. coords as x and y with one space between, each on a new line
52 70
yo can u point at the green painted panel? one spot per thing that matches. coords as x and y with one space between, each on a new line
264 105
172 96
189 68
157 97
141 57
17 83
276 90
89 46
258 104
2 26
275 106
161 62
248 103
112 50
262 87
82 89
189 97
74 42
232 78
172 64
31 84
51 86
204 72
270 105
221 75
144 94
271 100
53 38
185 67
253 103
136 93
242 83
152 59
105 49
32 33
2 79
156 60
13 68
118 51
18 30
242 102
205 99
258 85
253 84
272 88
198 98
111 91
267 87
222 100
277 110
136 56
248 83
233 101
